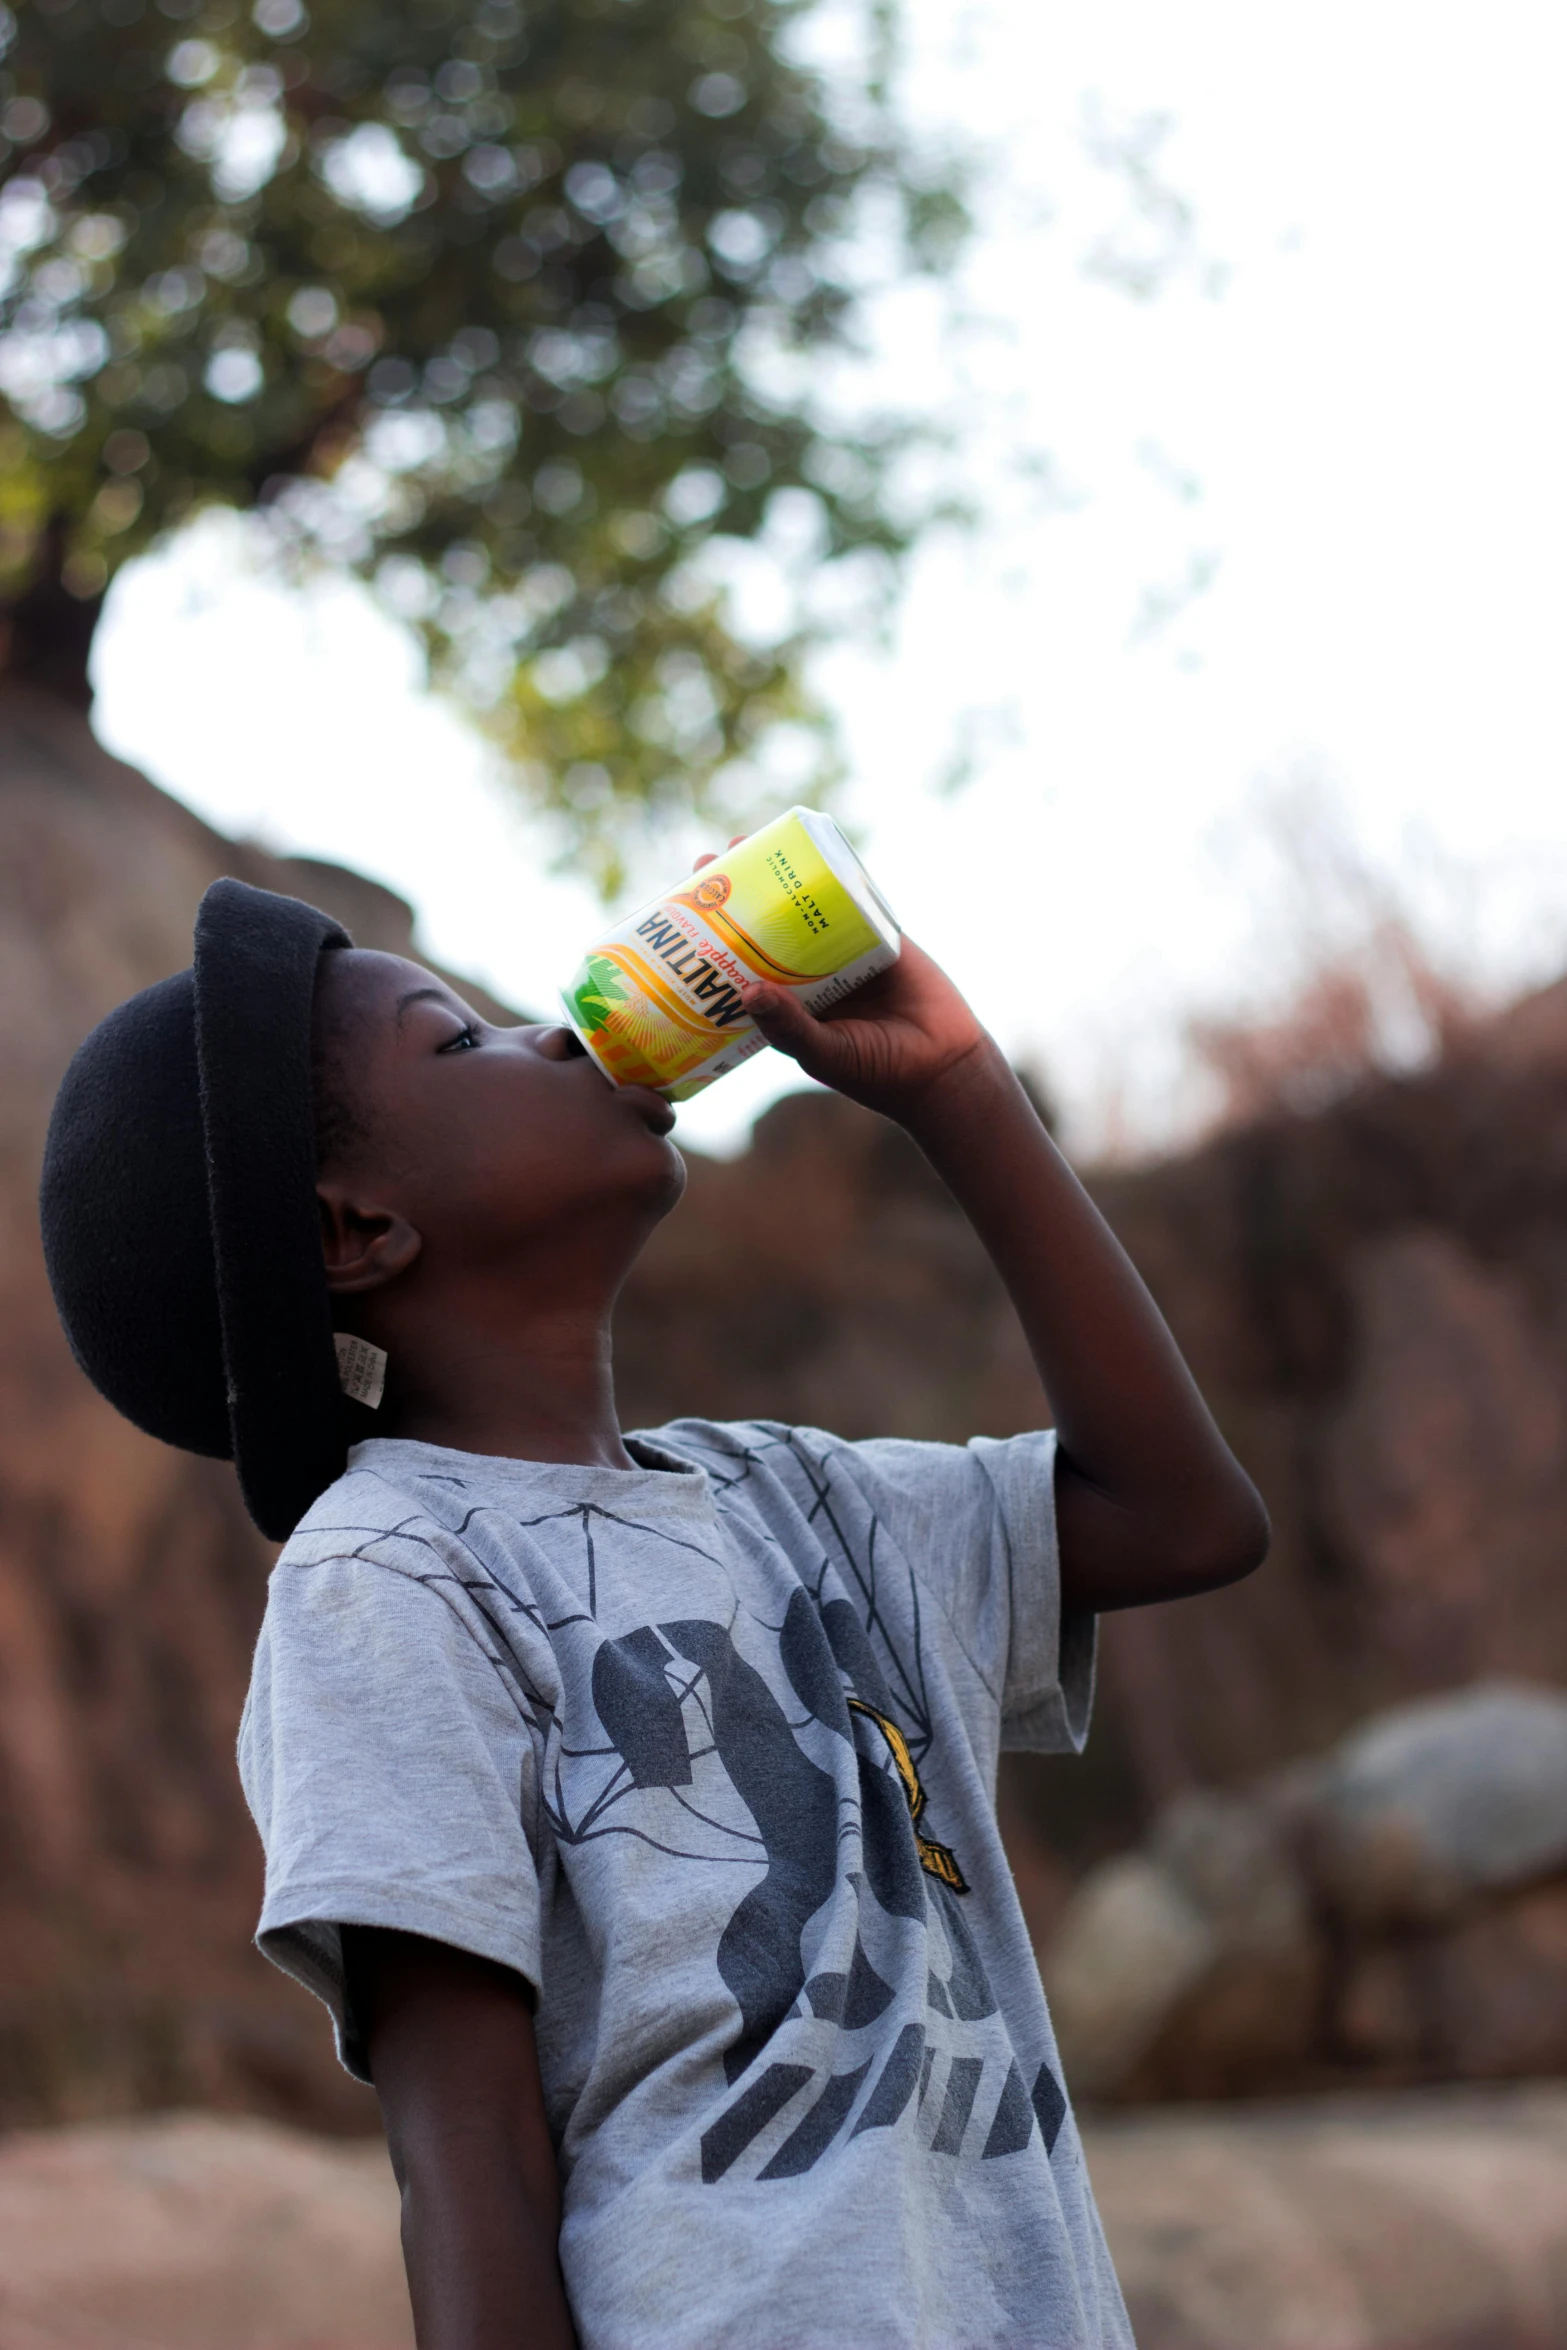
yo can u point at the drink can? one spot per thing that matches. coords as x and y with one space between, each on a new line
657 1000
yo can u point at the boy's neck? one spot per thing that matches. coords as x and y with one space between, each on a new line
545 1392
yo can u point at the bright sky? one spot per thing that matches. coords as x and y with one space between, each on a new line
1298 512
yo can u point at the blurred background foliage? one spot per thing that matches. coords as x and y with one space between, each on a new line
518 311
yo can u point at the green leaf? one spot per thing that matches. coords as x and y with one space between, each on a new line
595 997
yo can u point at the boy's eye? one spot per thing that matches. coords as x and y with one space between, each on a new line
463 1042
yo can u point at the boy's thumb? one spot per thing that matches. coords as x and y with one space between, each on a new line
782 1019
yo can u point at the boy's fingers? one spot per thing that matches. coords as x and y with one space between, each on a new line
708 856
783 1020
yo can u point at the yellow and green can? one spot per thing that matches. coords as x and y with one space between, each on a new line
657 1000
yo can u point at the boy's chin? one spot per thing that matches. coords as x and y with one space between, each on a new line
667 1186
640 1173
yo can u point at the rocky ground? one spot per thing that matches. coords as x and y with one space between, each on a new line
1431 2220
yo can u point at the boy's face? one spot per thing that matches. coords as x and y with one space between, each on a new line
484 1139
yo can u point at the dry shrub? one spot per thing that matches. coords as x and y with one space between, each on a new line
1381 1006
1354 983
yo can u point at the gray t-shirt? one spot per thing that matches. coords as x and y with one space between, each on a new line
706 1749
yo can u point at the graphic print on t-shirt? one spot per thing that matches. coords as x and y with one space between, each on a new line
701 1759
643 1682
729 1701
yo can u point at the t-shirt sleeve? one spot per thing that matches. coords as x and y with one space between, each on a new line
391 1773
977 1523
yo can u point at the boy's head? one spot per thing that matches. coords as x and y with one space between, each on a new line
291 1118
452 1150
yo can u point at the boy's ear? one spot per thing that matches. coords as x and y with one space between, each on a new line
363 1247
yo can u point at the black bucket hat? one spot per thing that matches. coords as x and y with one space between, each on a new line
179 1213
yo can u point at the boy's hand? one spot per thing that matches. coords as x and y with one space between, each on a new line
887 1044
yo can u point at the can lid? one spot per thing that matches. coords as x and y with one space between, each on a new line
828 836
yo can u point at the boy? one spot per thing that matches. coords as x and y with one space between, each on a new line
629 1800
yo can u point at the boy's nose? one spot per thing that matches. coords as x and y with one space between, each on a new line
555 1043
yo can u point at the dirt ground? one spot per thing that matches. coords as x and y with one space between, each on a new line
1426 2221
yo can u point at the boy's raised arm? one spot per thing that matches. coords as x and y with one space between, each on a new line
1151 1503
452 2054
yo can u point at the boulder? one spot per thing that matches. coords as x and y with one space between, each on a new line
1129 1945
1434 1803
1483 1997
1444 1461
1247 2023
1192 1968
195 2233
1498 1989
1429 2220
1396 1913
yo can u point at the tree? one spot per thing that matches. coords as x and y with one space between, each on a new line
510 308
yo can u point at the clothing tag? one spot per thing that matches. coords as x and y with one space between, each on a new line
361 1368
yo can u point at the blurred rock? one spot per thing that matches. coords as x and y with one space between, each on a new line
1446 1456
131 1580
1379 2018
1382 1914
1248 2022
1130 1944
1431 2221
1231 1857
1435 1802
1498 1997
191 2233
1482 1998
1374 1299
1193 1969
